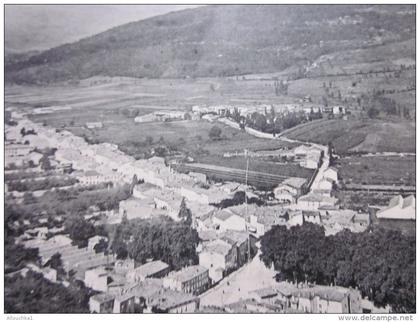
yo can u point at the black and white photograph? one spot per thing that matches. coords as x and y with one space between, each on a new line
209 159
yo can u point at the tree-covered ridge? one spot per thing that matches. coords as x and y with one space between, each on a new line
380 263
216 41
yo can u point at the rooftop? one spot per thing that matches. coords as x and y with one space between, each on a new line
313 197
168 299
217 246
103 297
294 182
234 236
151 268
331 293
188 273
223 215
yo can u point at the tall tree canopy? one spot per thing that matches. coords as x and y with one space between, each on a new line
380 263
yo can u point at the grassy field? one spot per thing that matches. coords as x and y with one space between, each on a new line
386 170
191 137
359 135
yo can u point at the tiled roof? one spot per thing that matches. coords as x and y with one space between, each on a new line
188 273
151 268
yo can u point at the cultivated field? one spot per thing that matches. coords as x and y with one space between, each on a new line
383 170
359 135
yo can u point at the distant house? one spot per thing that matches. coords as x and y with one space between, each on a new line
92 177
338 110
313 201
16 150
331 173
311 161
312 217
191 279
94 125
399 208
97 279
326 184
290 189
155 269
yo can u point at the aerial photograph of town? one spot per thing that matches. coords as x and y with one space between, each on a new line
210 159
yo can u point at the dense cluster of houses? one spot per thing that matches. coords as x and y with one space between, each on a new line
227 236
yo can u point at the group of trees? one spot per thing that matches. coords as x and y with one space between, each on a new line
79 230
44 184
34 294
158 238
25 132
68 202
280 87
380 263
273 123
238 198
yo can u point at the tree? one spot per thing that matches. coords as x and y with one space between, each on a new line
45 163
134 182
372 112
185 213
260 122
215 133
79 230
35 294
236 115
380 263
149 140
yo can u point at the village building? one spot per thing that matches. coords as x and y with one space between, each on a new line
327 299
97 279
124 266
290 189
227 220
313 201
331 173
145 297
170 301
16 150
154 269
312 217
399 208
326 184
242 242
191 279
219 257
102 303
94 125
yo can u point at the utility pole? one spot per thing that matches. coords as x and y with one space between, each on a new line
246 201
